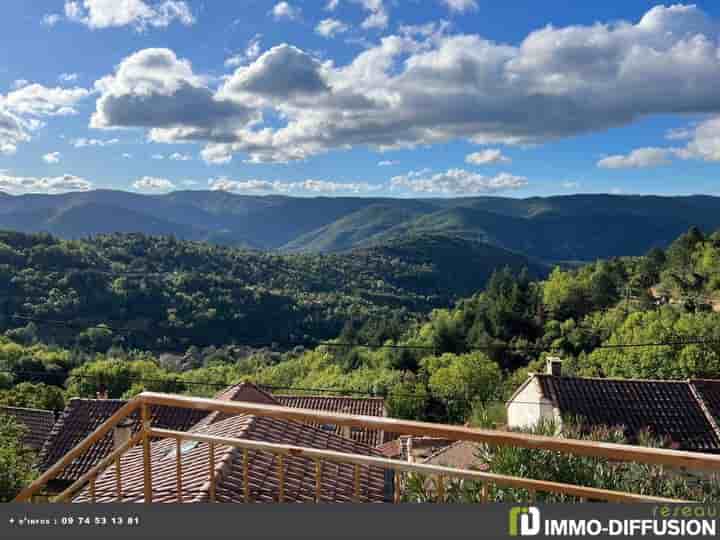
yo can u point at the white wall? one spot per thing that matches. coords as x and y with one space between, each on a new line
530 406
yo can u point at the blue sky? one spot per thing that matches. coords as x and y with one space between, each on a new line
360 97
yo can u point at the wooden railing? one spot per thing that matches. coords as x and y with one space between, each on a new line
614 452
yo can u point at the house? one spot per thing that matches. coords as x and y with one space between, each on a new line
413 449
358 406
37 422
684 413
337 484
83 416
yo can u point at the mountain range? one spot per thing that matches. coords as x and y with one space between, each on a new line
549 229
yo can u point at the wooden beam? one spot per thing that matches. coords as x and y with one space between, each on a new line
95 471
612 451
211 454
178 468
80 448
423 469
147 458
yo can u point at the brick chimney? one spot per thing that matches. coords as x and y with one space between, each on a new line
553 366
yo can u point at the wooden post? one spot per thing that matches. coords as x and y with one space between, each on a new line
357 483
441 488
118 479
146 452
484 493
178 468
532 495
318 480
281 477
398 479
211 452
246 475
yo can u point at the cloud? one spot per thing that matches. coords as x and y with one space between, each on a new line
51 19
151 184
331 27
461 6
127 156
457 182
487 157
152 88
38 100
83 142
18 185
252 51
98 14
306 186
639 158
570 185
704 142
68 77
283 10
177 156
378 17
157 157
412 90
52 157
332 5
21 111
387 163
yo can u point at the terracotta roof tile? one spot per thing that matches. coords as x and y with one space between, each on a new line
337 484
342 404
38 422
667 408
83 416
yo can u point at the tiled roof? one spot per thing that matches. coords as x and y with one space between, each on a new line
337 484
342 404
38 422
458 455
709 392
83 416
668 409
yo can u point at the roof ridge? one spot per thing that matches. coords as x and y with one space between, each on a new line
612 379
33 409
326 397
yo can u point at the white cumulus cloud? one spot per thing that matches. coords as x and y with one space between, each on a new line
639 158
284 10
457 182
414 89
487 157
152 184
310 186
98 14
19 185
461 6
331 27
52 157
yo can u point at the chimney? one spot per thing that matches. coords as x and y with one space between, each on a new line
122 432
553 366
406 448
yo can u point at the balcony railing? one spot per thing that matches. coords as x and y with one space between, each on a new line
610 451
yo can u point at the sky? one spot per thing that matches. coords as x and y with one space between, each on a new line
401 98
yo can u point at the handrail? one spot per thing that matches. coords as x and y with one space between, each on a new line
613 451
119 415
404 466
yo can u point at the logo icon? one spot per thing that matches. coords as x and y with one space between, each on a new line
524 521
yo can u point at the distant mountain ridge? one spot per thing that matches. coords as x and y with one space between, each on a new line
573 227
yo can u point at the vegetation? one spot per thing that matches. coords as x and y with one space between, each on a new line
16 462
568 469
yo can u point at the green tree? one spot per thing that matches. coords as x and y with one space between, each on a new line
16 461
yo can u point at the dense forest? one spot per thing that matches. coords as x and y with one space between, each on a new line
454 363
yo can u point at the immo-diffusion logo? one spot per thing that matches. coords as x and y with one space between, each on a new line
524 521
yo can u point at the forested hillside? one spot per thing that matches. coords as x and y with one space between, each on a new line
647 317
162 293
569 228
